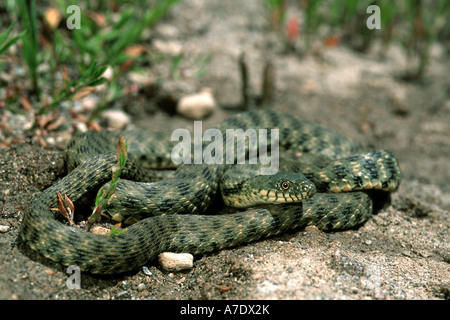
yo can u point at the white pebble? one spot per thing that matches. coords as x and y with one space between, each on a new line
197 106
171 48
141 286
81 127
108 74
115 119
50 140
176 261
4 229
88 103
146 271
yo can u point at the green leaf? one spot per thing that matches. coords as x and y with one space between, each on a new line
99 71
10 42
116 231
96 82
28 18
99 197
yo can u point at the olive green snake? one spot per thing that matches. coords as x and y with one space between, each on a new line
177 211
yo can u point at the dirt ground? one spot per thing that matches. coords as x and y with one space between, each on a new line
401 253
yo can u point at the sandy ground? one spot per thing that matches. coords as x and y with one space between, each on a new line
401 253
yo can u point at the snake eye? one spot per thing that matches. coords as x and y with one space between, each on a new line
285 184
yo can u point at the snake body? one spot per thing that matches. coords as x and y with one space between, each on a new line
338 165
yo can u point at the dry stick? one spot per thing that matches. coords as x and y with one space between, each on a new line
245 88
268 85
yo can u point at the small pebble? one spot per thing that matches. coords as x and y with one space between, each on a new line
122 294
109 73
141 286
142 79
354 289
115 119
81 127
4 229
146 271
88 104
172 48
398 99
100 230
176 261
197 106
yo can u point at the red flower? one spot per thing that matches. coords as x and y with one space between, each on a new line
292 29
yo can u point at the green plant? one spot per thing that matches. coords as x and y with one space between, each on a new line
313 20
108 43
415 25
5 43
27 9
197 67
277 9
74 60
426 19
116 231
75 89
174 67
92 42
103 195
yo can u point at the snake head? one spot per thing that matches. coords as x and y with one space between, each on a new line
282 187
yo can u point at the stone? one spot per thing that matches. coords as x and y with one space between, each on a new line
170 261
115 119
197 106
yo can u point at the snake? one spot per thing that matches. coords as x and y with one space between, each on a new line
331 186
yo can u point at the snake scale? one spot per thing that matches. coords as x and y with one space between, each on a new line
341 165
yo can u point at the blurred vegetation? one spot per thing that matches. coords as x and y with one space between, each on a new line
413 24
74 59
57 65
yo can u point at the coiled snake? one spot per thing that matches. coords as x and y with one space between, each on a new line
338 165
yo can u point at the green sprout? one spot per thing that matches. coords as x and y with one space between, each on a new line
103 195
5 43
30 44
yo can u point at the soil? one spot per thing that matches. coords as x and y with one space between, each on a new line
401 253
